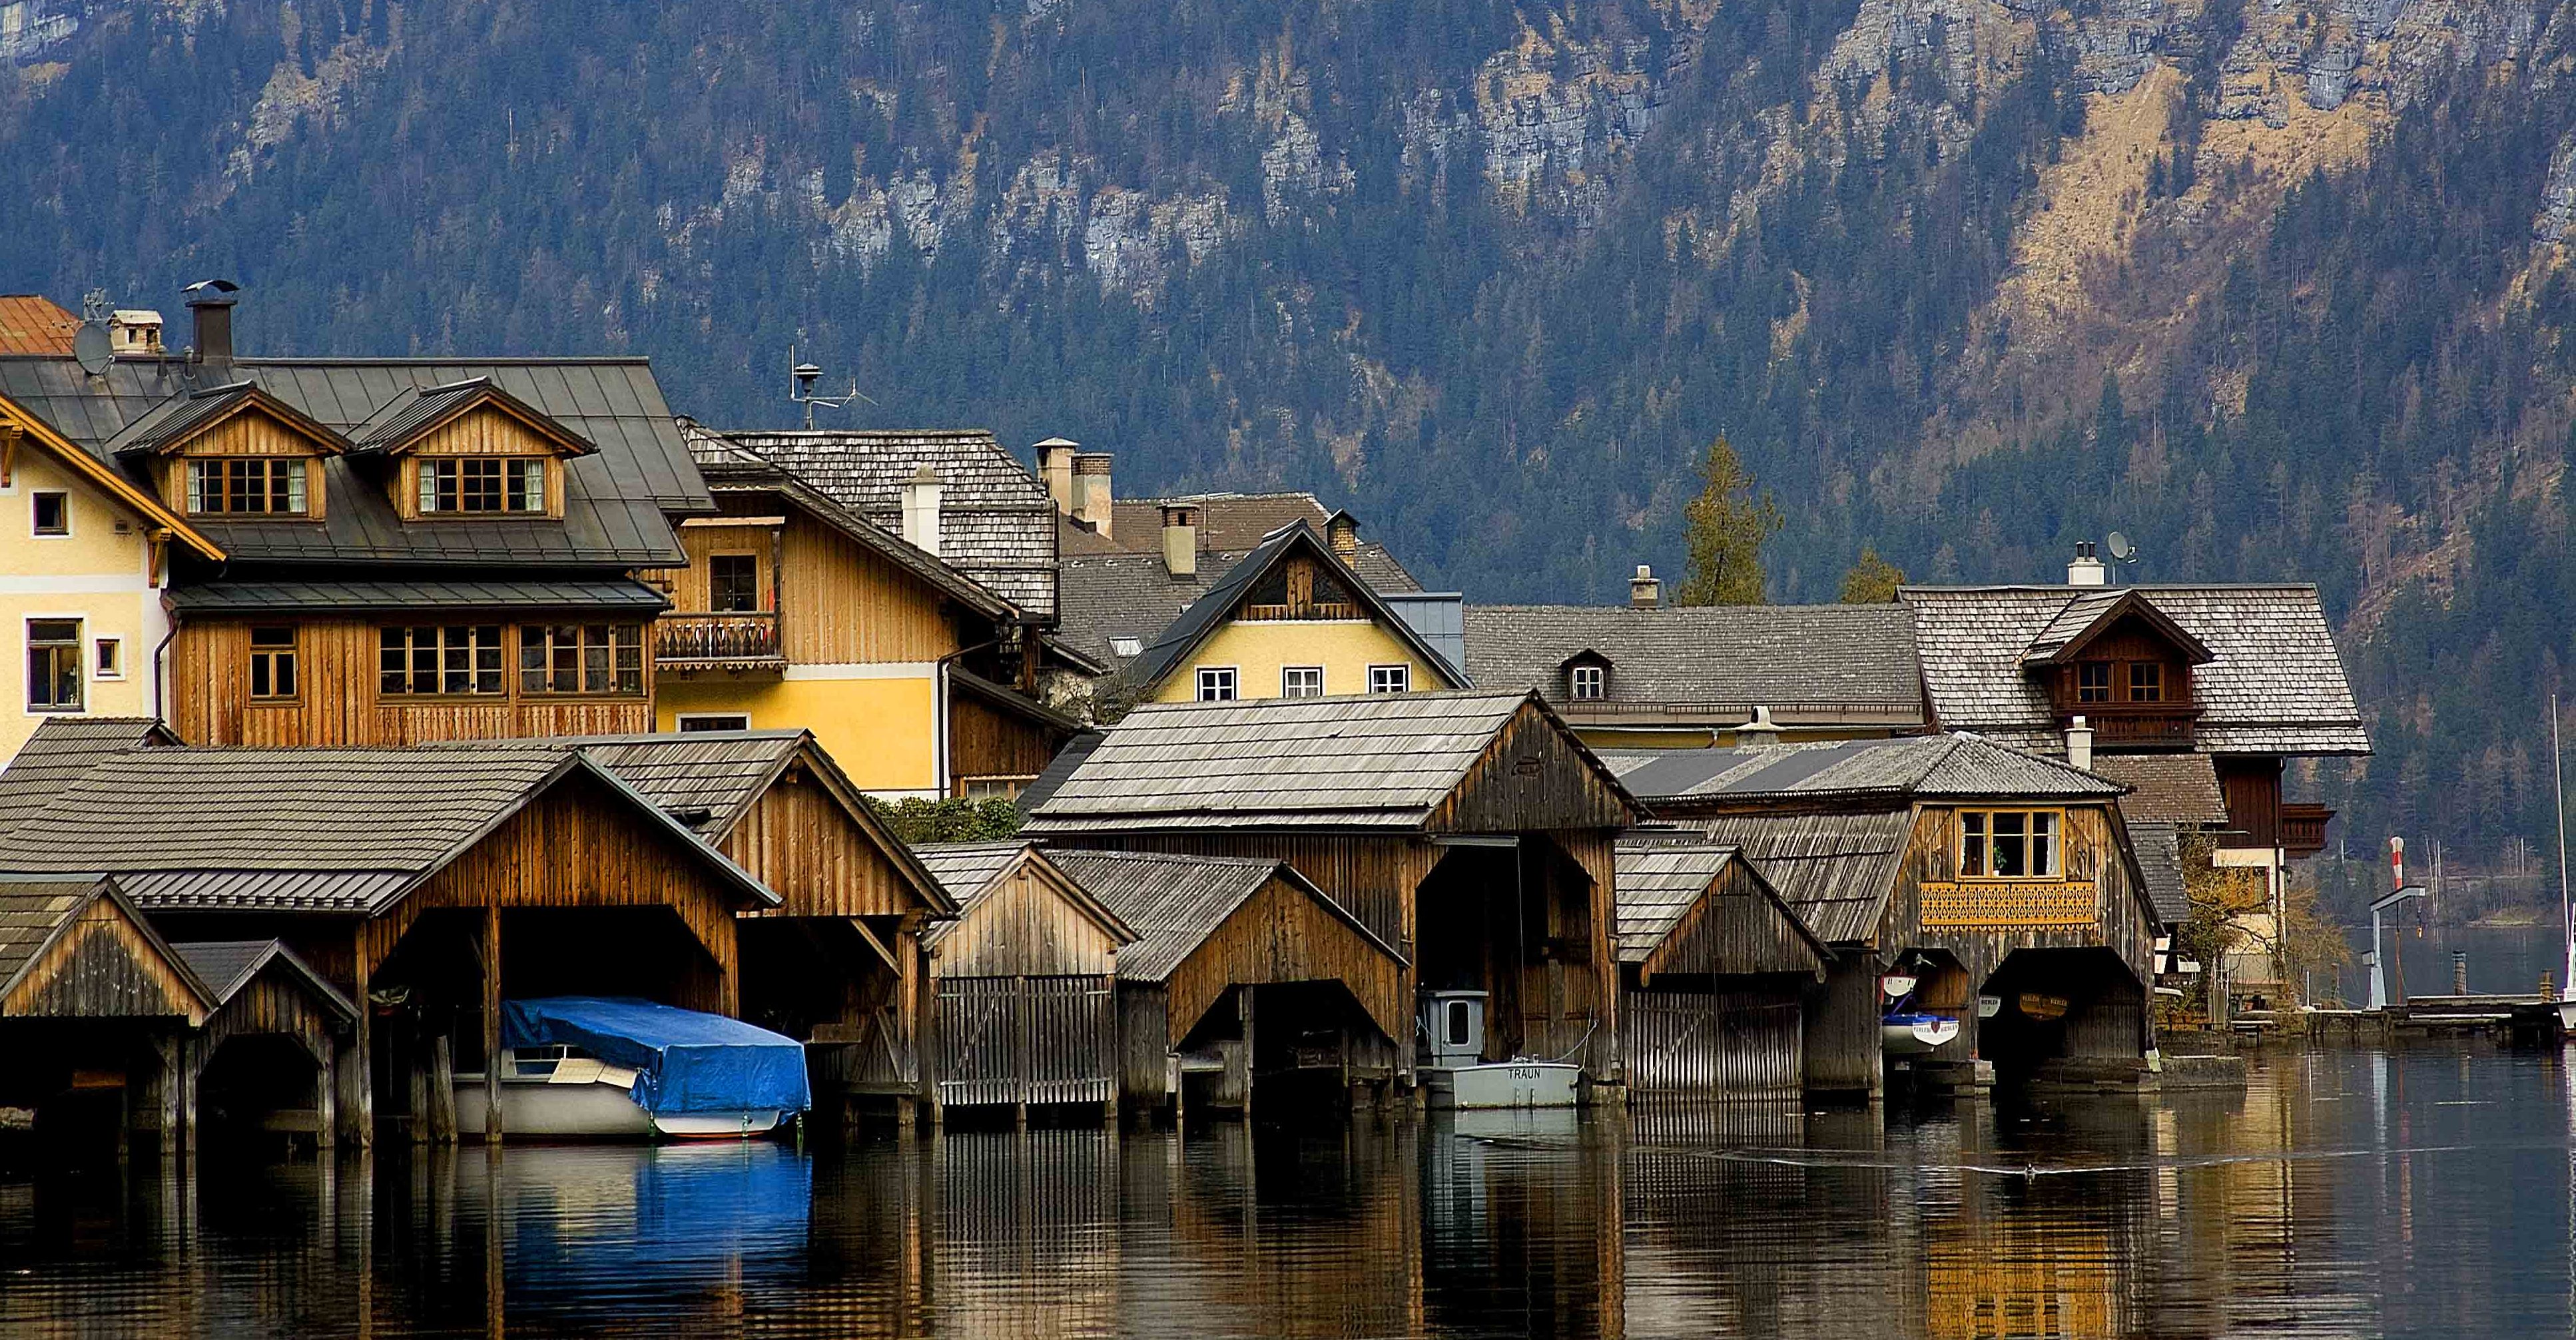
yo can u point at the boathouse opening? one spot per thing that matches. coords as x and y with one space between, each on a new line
1511 915
262 1085
2061 1013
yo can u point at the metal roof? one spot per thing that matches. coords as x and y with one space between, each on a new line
2168 788
226 966
1826 660
33 324
1377 761
614 502
2275 683
618 596
63 748
1906 767
1174 903
1835 871
407 417
316 830
996 521
2158 847
1116 594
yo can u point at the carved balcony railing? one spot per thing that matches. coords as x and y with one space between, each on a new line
746 641
2168 725
1318 610
2303 828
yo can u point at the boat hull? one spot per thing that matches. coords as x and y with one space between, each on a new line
536 1110
1916 1037
1503 1084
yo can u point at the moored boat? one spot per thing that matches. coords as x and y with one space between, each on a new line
1916 1034
578 1067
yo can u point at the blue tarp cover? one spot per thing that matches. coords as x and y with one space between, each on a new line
684 1061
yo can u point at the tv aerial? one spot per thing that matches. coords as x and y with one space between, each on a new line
802 376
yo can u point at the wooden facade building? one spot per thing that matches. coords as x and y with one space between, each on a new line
1972 873
1713 972
1470 832
1224 944
1024 980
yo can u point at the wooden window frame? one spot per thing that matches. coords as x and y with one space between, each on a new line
1289 690
687 722
2082 689
272 657
36 498
2146 683
53 649
1401 674
439 649
715 588
537 680
107 658
428 489
1599 682
1978 826
1233 683
208 480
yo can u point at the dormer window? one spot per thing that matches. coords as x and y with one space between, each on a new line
1588 683
2093 682
248 486
2146 682
483 485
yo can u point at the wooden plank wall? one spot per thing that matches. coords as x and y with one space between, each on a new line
274 1002
840 603
1280 934
337 702
800 841
2252 788
1532 777
692 588
1145 1039
984 741
1845 1053
250 432
1034 1040
1745 1043
1734 929
1025 927
102 967
484 431
2122 923
1374 878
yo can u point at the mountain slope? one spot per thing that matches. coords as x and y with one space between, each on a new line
2277 288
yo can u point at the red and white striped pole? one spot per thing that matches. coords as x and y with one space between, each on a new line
2397 942
2396 864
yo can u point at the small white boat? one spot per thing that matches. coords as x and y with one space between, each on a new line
1916 1034
1455 1075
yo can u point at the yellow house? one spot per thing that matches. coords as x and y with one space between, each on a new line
84 560
797 613
1290 620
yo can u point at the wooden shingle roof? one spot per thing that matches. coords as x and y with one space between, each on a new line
39 913
2274 683
1663 878
63 748
974 871
1174 903
2166 788
1894 770
1835 871
2159 850
32 911
1833 661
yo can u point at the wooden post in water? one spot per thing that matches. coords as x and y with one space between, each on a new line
442 1090
492 1025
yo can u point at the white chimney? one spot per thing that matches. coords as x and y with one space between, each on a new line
1760 731
1644 592
2079 744
1181 539
921 509
1055 467
2084 569
1091 500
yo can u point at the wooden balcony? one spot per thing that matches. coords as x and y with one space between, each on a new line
747 641
1320 610
2137 726
2303 828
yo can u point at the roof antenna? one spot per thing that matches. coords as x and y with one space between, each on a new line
90 344
803 376
2122 551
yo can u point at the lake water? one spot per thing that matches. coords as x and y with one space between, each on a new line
2425 1193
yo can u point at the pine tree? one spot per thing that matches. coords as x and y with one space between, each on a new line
1872 580
1726 525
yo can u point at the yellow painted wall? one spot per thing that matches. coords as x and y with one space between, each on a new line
880 730
95 575
1259 651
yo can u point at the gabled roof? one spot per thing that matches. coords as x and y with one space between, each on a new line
103 475
2166 788
402 422
761 478
2159 851
63 748
1662 881
36 911
973 871
1006 699
1174 903
615 502
711 779
1890 771
335 830
33 324
1213 608
1379 761
1834 870
1804 662
1116 594
2275 683
2088 616
996 521
175 422
226 966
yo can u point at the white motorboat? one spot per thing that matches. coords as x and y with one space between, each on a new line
1456 1075
1916 1034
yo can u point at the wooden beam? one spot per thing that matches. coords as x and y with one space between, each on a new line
492 1023
357 1072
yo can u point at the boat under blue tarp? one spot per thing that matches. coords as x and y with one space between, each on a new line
684 1061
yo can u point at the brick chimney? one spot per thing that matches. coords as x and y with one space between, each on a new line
2084 569
210 301
921 495
1055 466
1342 531
1644 591
1181 539
1091 496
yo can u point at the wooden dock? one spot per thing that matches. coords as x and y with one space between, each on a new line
2521 1019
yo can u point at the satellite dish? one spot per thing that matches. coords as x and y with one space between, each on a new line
2121 549
89 348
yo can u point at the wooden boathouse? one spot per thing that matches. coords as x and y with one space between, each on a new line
1224 943
1025 983
95 1009
839 963
1953 878
1470 832
432 882
1713 972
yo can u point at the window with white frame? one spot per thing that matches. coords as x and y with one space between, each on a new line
2011 844
1390 678
1216 684
1301 681
1588 683
482 484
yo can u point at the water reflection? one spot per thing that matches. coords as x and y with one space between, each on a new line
2423 1193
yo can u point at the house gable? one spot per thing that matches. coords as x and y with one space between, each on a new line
1534 775
99 959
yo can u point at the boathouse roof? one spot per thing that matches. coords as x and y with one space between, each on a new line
74 945
226 966
1665 884
1174 903
60 750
